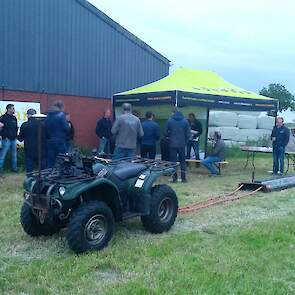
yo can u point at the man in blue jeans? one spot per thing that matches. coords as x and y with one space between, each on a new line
217 154
280 137
128 130
151 131
103 131
8 133
178 133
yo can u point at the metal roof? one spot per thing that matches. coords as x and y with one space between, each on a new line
70 47
122 30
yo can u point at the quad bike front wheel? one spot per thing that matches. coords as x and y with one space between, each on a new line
163 210
31 224
90 227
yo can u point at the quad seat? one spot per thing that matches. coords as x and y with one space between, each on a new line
128 170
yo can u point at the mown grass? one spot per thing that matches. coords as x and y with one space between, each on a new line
246 247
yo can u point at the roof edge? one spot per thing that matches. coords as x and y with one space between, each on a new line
122 30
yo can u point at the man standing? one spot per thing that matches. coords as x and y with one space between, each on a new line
196 131
103 131
280 137
127 130
57 132
178 132
29 135
151 132
9 134
217 154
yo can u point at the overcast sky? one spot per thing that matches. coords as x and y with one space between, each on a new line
249 43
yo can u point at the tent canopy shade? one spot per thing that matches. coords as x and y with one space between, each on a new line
187 87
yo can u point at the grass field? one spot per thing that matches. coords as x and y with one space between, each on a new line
245 247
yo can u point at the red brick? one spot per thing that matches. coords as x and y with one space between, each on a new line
84 111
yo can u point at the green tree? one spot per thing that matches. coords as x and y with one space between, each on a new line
278 91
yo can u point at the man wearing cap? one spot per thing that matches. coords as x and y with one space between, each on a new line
29 135
9 133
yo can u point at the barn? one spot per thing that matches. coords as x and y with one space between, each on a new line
71 51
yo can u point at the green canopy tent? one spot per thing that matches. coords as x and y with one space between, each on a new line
195 88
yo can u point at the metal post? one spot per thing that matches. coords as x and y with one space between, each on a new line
39 155
39 118
206 135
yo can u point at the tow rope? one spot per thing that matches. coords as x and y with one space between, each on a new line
228 197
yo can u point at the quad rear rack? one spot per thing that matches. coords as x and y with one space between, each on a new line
150 163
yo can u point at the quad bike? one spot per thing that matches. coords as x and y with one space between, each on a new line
89 194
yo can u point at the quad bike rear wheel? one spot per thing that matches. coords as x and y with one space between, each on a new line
163 210
90 227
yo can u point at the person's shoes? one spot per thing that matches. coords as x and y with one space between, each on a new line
183 180
213 175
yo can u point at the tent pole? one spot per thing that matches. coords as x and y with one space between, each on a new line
206 135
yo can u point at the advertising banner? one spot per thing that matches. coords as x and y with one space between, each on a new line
20 109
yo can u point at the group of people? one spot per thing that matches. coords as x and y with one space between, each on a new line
57 134
181 135
120 138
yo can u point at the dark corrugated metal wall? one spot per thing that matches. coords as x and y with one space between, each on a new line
59 46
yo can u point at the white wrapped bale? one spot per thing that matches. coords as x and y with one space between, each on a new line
248 134
249 113
291 145
265 122
231 143
223 119
226 132
264 132
241 143
247 122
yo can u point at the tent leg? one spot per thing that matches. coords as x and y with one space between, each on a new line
206 134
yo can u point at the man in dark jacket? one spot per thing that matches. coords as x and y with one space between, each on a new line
57 131
196 131
178 132
103 131
217 154
280 137
151 134
8 134
29 135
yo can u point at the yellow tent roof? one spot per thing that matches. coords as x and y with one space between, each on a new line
195 81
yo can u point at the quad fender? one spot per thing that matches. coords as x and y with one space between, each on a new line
151 178
100 190
140 193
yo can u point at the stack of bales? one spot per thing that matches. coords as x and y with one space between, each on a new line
237 128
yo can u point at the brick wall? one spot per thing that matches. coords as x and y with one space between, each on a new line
84 111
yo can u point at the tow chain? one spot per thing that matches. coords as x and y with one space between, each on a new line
229 197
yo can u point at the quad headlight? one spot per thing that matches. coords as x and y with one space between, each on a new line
26 196
62 190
